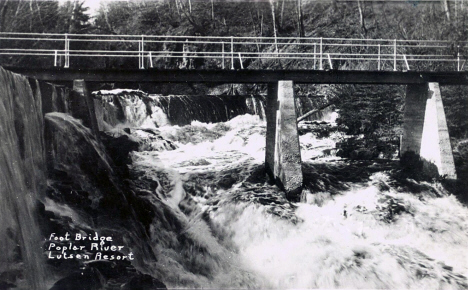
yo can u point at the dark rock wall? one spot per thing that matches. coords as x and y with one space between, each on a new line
22 181
56 177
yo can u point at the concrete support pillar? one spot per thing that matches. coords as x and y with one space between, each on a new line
82 106
270 112
49 96
283 155
99 110
425 142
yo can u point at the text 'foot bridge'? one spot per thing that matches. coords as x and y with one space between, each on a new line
280 62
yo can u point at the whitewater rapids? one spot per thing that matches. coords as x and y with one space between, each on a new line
366 232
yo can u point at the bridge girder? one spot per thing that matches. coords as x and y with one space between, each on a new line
245 76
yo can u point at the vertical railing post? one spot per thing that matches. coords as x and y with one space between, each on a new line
315 56
321 53
150 59
141 55
223 54
458 58
330 61
55 59
378 65
276 45
142 52
67 51
139 52
406 62
185 59
240 59
394 55
232 52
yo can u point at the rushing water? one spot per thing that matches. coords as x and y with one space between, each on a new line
357 229
198 210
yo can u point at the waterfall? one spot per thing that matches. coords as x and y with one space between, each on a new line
138 109
135 108
193 205
22 178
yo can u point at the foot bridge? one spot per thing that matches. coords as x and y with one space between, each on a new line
280 63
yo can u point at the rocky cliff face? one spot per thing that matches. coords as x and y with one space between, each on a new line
22 181
56 178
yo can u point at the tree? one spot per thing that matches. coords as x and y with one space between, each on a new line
74 18
300 20
272 4
40 17
28 16
361 18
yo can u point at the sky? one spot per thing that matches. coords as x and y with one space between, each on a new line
93 5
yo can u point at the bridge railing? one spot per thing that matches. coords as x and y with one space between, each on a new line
191 52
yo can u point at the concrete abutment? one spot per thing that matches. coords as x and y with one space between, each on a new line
282 155
83 106
425 144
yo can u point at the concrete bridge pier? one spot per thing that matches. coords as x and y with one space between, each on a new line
82 106
283 156
425 144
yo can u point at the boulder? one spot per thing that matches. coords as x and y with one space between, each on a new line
87 279
144 282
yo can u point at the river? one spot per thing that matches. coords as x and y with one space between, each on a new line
178 185
361 225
